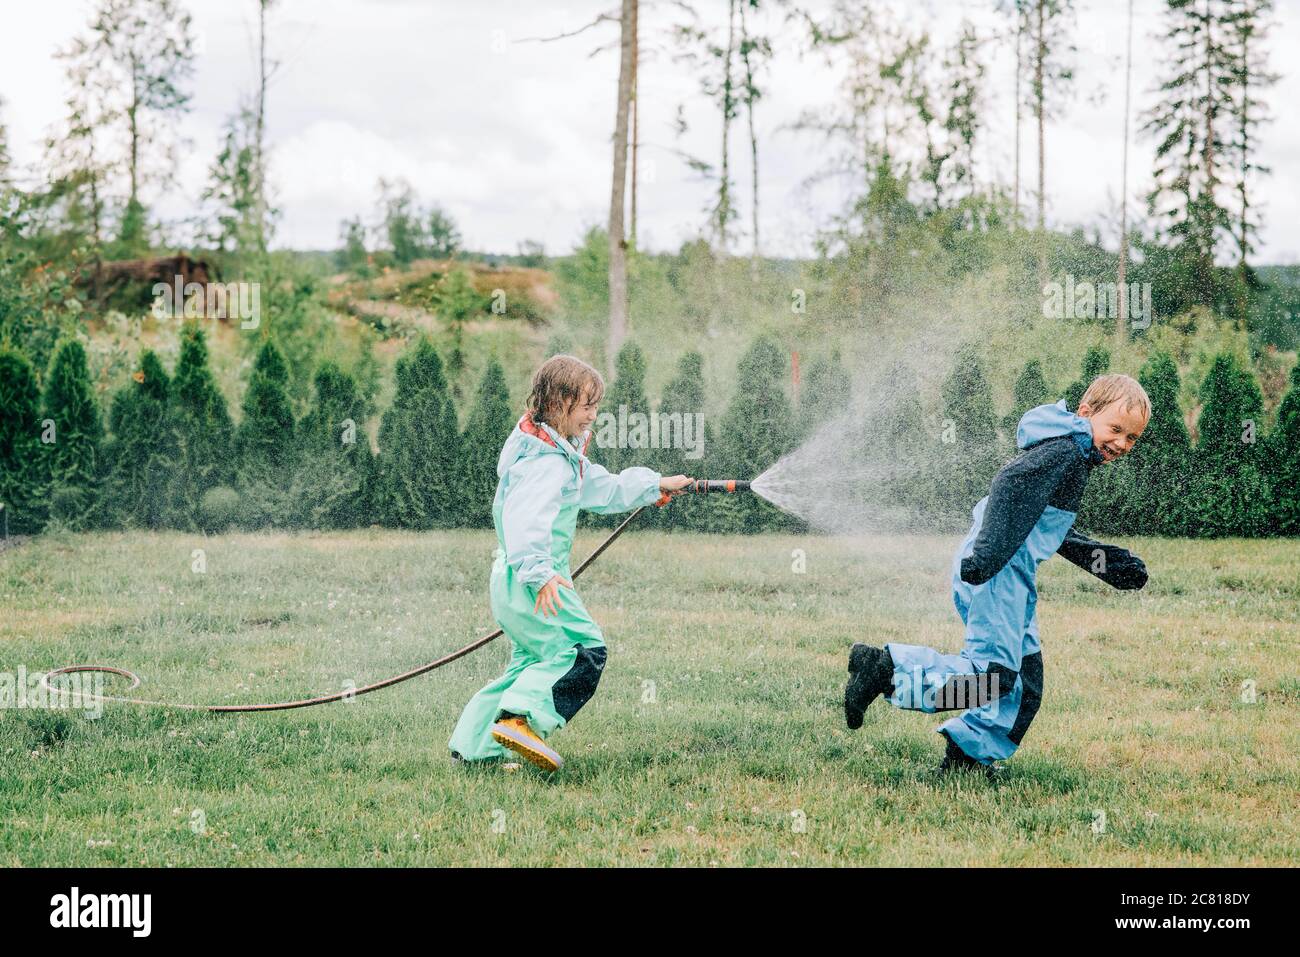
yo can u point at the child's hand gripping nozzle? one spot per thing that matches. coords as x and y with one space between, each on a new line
703 487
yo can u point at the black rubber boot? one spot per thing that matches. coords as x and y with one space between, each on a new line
955 759
871 673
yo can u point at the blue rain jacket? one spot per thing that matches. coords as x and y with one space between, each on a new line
1027 517
1029 514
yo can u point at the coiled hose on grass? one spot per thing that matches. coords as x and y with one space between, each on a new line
304 702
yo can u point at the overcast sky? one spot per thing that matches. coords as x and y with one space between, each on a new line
514 138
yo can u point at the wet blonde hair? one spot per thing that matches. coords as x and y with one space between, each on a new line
560 383
1116 387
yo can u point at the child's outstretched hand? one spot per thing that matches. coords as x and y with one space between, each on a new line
670 486
548 596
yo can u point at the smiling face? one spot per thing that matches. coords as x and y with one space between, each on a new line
1115 428
566 393
579 416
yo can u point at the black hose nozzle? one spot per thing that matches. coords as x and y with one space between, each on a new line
704 486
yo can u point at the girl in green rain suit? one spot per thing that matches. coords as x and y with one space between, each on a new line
557 650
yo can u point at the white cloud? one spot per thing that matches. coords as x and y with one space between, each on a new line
514 138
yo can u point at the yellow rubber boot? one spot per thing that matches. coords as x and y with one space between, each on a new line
515 734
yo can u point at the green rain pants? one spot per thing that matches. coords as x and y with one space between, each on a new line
555 665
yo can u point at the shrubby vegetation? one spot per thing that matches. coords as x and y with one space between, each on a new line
171 456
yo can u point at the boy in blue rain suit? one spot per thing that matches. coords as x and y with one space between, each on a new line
557 650
1026 517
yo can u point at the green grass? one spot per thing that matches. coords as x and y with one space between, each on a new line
738 757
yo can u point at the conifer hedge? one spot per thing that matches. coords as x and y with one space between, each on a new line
171 457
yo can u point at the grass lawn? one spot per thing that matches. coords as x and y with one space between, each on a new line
1168 732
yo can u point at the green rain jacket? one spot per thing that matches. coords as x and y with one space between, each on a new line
544 482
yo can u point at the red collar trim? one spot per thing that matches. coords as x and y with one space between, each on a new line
529 427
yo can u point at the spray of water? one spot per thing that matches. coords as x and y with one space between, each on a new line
870 469
825 485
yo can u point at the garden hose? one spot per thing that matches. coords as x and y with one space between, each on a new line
351 693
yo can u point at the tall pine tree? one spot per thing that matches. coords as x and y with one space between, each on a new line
1284 461
490 423
757 429
419 443
968 440
1095 362
76 433
913 490
336 470
1030 391
265 444
682 405
1250 24
24 467
613 448
1160 458
1191 123
1230 493
622 430
827 392
142 453
203 431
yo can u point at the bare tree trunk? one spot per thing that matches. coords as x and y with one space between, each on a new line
95 210
1207 151
1020 32
1121 317
1245 137
636 119
259 144
135 133
97 260
617 241
1042 146
1211 183
724 182
1245 153
753 138
753 154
